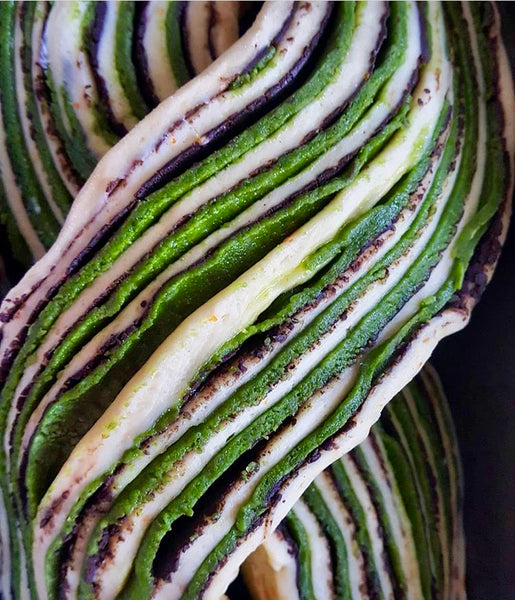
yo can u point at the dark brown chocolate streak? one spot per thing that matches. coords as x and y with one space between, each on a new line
380 459
292 547
43 93
178 539
298 565
213 22
371 584
493 42
70 540
139 57
182 16
273 500
103 555
385 555
430 474
11 352
21 53
92 43
162 568
333 553
99 503
424 37
220 135
486 255
224 560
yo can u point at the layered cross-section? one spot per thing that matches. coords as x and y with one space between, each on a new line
242 284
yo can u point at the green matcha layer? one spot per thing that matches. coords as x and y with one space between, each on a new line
383 521
207 334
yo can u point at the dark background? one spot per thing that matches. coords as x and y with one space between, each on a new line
477 367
